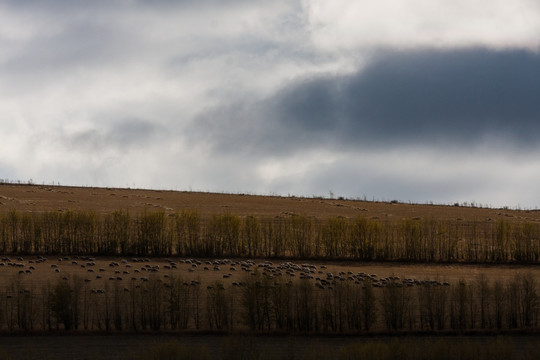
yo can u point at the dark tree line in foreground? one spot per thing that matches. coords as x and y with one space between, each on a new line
262 305
188 234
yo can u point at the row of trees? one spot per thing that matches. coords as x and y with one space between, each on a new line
189 234
266 305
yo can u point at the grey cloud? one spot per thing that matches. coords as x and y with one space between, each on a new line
82 44
456 98
123 134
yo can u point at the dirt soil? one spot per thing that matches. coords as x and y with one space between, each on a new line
38 198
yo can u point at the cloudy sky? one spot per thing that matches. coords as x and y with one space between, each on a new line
417 100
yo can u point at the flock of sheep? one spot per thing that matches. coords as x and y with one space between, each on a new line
196 270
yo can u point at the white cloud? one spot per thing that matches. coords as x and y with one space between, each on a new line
360 25
418 174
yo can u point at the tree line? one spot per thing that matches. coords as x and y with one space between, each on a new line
267 305
155 233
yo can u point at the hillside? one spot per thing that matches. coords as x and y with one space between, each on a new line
38 198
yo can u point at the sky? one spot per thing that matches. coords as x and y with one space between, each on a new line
417 101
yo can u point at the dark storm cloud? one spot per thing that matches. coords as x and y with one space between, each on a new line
459 97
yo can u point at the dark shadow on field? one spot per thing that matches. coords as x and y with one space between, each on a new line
215 347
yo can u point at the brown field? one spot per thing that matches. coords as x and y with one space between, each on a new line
46 271
37 198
